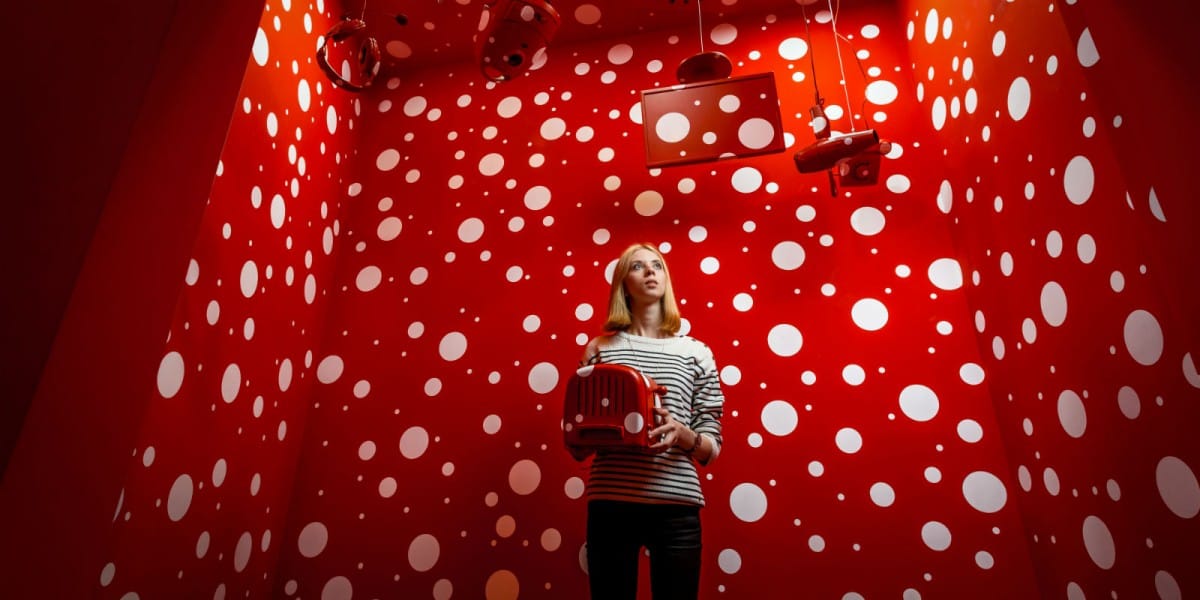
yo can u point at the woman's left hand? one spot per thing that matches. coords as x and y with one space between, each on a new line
669 433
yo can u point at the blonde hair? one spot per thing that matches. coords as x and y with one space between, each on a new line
619 317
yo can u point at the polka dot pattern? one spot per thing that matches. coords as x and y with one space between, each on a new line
383 303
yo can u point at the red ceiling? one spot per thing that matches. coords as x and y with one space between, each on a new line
419 34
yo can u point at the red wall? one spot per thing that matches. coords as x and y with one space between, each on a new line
122 116
447 476
1064 227
357 396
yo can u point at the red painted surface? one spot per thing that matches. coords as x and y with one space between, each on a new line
122 170
973 379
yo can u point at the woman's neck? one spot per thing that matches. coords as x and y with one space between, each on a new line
646 320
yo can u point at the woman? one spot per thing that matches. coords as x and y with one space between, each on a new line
651 497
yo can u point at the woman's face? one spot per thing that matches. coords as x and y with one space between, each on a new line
646 281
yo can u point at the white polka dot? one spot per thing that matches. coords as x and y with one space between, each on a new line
543 378
470 230
179 499
854 375
756 133
779 417
368 278
509 107
1018 98
1189 371
389 229
491 164
330 369
415 106
1085 49
587 14
1167 587
867 221
312 540
984 559
984 492
935 535
793 48
553 128
231 383
387 160
869 314
848 440
971 374
788 255
423 553
1050 480
785 340
453 346
723 34
261 50
1178 487
170 374
672 127
620 54
248 281
1054 304
729 561
882 494
1072 414
898 184
1079 180
945 274
748 502
970 431
537 198
1085 248
1143 337
918 402
1098 541
241 554
648 203
945 197
746 180
414 442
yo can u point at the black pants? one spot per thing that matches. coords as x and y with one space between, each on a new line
616 533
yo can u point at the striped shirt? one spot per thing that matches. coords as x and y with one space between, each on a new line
685 366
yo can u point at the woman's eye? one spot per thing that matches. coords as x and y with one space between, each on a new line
637 266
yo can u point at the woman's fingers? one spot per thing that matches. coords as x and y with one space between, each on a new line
667 434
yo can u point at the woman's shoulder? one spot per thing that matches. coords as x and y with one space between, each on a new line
597 343
692 346
602 340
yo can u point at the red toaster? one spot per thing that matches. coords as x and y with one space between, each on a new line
610 405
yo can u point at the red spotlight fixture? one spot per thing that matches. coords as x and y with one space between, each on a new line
704 66
350 33
512 33
834 152
851 159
